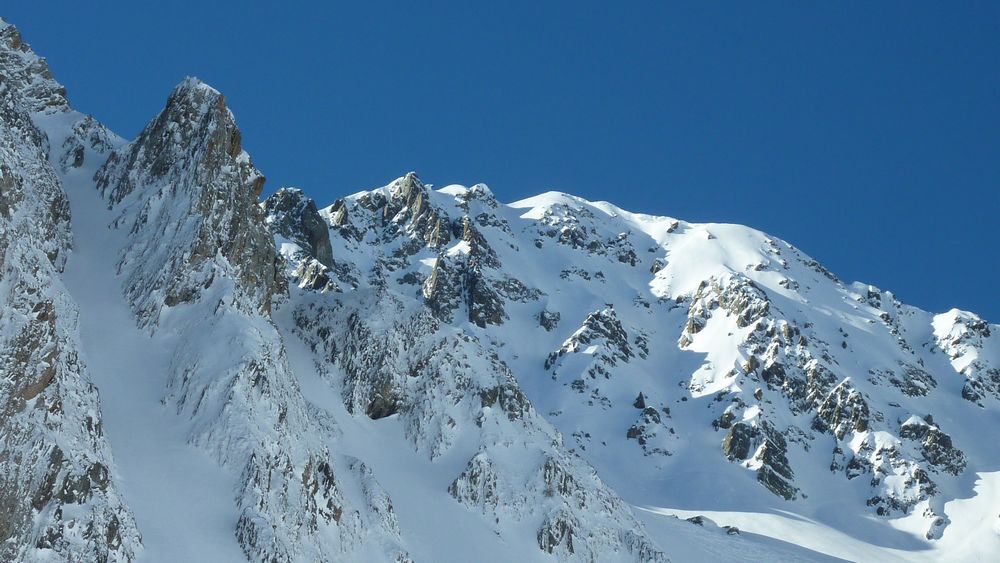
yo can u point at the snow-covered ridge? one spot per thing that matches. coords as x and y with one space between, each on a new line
789 361
433 375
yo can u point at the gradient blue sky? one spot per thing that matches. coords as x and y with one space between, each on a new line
867 135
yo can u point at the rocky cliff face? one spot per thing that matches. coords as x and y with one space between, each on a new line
58 495
199 262
187 179
28 75
294 218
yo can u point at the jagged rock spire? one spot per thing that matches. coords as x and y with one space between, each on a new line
187 179
28 74
191 139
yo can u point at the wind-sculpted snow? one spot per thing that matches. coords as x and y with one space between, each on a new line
59 498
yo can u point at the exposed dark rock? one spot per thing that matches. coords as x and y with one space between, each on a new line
640 402
192 152
477 485
656 266
600 327
936 446
549 320
844 410
295 217
738 441
556 533
509 398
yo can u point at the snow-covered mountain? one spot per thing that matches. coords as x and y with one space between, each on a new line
419 374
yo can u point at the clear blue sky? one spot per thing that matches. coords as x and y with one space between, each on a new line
867 135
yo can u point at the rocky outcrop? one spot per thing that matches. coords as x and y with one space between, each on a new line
738 296
445 385
762 448
591 355
292 215
303 240
601 336
650 429
935 445
843 411
969 342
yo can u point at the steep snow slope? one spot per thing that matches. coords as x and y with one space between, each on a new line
59 494
435 527
175 489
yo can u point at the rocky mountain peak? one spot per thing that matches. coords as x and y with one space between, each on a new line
407 186
195 134
187 178
199 259
29 74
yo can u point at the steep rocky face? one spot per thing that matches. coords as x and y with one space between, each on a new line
28 75
187 179
394 347
294 217
200 261
58 496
